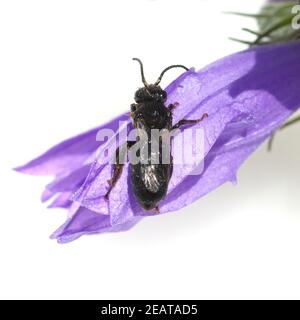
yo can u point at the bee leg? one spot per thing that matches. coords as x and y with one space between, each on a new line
184 122
117 168
173 106
133 107
156 210
117 171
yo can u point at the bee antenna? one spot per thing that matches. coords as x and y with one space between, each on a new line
142 71
168 68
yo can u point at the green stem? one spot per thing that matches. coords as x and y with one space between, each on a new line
249 15
291 122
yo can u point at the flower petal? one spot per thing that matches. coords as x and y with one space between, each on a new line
85 221
69 154
260 103
63 200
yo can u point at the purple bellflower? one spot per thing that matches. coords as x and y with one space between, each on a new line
247 96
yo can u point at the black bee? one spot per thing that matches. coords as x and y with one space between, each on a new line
150 179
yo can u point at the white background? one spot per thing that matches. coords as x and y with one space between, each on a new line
65 66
